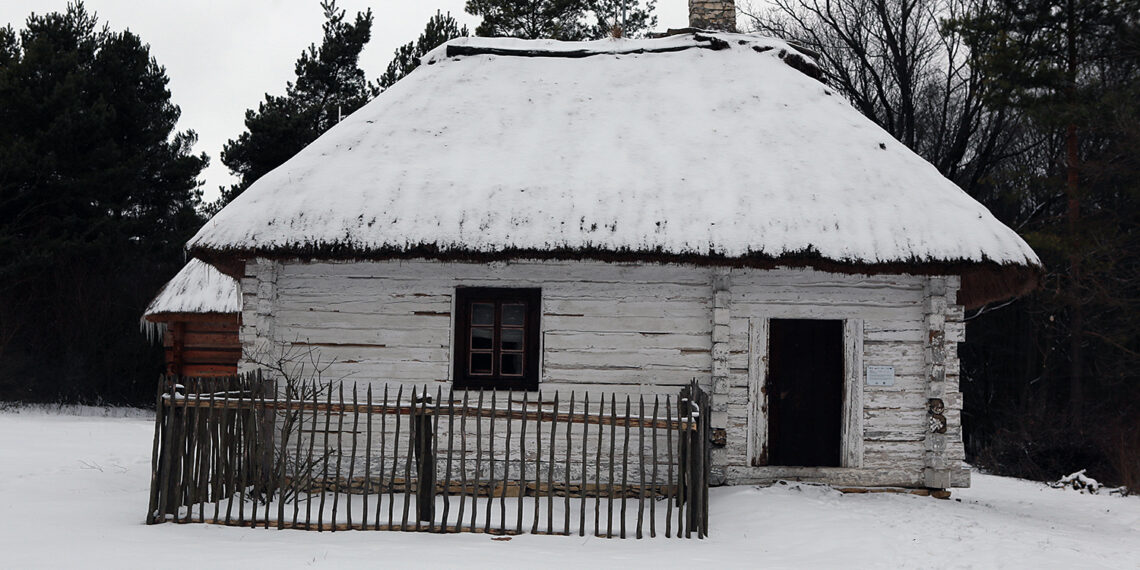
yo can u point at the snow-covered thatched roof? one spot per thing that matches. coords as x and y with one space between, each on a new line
697 147
197 288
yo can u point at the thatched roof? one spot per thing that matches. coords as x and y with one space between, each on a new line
699 148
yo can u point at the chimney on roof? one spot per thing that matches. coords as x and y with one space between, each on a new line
713 15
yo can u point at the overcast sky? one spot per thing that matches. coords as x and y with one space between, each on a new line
222 56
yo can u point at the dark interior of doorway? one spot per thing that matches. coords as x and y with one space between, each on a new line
805 392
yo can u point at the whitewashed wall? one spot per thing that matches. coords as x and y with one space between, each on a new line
889 313
640 329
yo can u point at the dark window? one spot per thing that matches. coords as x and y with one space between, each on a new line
496 338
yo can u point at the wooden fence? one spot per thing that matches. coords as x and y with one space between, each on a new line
248 451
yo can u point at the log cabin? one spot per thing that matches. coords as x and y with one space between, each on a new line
632 214
196 315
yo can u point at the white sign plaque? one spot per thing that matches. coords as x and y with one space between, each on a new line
880 375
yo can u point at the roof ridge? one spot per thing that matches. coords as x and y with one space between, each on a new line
673 41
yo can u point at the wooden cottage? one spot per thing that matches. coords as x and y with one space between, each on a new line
631 215
197 315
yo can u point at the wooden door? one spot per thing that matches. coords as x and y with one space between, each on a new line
805 392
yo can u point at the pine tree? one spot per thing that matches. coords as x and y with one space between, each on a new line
440 28
98 192
631 17
567 20
329 86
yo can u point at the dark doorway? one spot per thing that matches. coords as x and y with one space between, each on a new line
805 392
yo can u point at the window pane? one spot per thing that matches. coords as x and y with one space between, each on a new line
482 313
514 314
481 337
511 339
512 365
481 363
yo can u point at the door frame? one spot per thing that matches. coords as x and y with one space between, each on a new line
851 440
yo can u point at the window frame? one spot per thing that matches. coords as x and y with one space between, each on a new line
465 297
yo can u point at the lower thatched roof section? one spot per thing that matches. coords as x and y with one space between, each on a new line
196 291
197 288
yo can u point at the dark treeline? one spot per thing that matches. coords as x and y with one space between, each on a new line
1033 107
98 192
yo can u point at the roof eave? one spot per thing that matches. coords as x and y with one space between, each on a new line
982 282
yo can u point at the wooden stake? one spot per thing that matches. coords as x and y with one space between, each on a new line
522 465
408 463
450 451
569 446
325 464
613 444
241 450
395 461
383 458
598 468
339 456
232 464
640 466
491 469
653 497
155 459
309 475
185 457
585 471
537 464
217 451
625 466
478 462
550 469
672 483
286 428
270 480
255 451
367 460
506 470
462 465
352 459
435 409
200 449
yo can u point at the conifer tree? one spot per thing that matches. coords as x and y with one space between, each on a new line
568 20
98 192
1072 70
440 28
329 86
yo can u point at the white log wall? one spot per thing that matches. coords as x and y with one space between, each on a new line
640 329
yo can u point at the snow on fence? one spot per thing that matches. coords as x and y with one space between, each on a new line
249 451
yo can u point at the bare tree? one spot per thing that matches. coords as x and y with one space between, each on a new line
897 63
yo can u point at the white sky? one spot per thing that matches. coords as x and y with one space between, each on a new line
222 56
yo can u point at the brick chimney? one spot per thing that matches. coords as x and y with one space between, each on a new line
713 14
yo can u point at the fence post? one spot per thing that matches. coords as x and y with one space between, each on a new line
697 459
157 465
425 459
697 456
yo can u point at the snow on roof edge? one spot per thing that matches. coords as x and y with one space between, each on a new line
197 288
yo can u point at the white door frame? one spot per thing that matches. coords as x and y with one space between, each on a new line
851 440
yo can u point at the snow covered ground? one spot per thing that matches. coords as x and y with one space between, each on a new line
75 491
